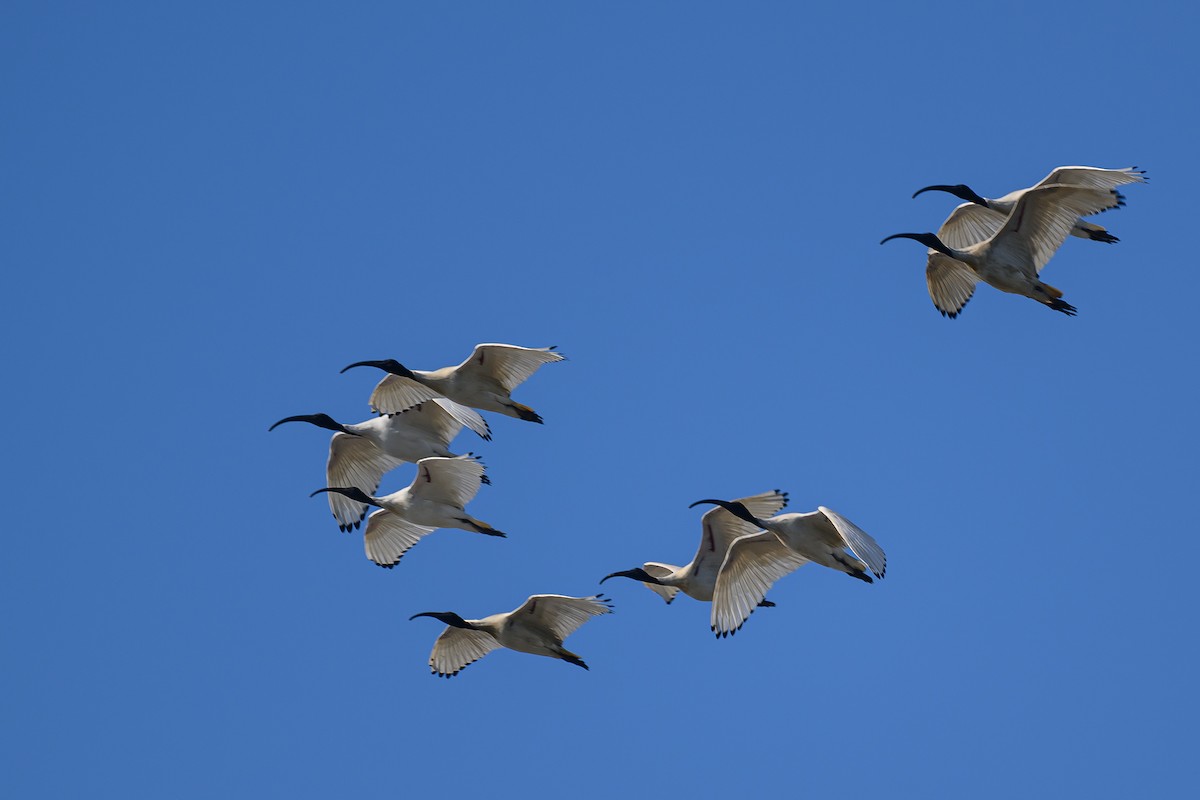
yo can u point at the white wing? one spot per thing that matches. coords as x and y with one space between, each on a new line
720 528
453 481
1093 177
354 461
458 647
858 540
951 283
1043 218
394 394
968 224
559 614
389 536
462 415
507 364
752 566
660 570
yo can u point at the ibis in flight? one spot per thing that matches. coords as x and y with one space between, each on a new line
436 498
699 578
756 561
980 217
1012 258
484 381
361 453
539 627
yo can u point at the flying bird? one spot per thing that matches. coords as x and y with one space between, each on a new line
1012 258
436 498
756 561
980 217
539 627
484 381
699 578
361 453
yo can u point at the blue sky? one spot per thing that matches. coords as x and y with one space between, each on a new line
210 210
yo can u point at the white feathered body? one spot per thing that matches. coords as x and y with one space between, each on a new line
400 438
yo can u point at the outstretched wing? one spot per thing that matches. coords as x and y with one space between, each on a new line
719 529
752 566
458 647
1094 177
354 461
1043 218
453 481
858 540
394 394
507 364
951 283
660 570
968 224
559 614
462 416
389 536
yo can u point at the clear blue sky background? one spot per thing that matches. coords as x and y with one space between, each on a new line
210 209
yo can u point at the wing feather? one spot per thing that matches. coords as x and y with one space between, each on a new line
1043 218
394 394
859 541
453 481
508 364
461 416
660 570
1094 177
354 461
968 224
389 536
458 647
752 566
720 528
951 283
559 614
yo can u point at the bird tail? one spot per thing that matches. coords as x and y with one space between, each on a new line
479 526
852 566
1047 294
1051 291
526 413
569 657
1097 233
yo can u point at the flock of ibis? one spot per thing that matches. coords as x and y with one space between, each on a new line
746 544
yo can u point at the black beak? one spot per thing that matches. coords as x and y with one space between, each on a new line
637 574
936 188
287 419
353 492
320 420
928 240
387 365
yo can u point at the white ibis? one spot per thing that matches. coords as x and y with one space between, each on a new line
756 561
361 453
436 498
539 627
484 381
1011 259
698 579
980 217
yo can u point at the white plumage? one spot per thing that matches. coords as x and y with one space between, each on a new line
982 217
1012 258
538 627
484 381
361 453
756 561
698 579
436 498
